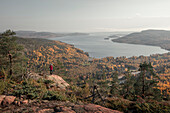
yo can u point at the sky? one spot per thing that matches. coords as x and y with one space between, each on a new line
84 15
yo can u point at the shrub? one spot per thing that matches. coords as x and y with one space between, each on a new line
30 88
6 84
150 108
54 95
3 85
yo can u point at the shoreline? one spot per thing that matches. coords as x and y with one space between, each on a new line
114 40
109 50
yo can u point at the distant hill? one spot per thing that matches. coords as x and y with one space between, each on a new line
34 34
148 37
76 34
113 36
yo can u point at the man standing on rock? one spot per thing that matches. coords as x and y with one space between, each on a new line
51 69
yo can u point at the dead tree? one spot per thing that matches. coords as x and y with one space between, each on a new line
95 94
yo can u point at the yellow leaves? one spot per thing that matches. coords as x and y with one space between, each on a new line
126 69
55 47
164 85
154 66
114 65
39 54
51 49
71 50
68 49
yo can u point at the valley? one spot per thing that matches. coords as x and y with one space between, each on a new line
117 80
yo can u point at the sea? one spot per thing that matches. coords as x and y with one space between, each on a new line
99 46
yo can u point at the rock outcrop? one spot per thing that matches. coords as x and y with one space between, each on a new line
58 81
33 75
2 98
8 100
46 106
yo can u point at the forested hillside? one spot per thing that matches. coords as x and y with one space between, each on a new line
72 62
148 37
42 53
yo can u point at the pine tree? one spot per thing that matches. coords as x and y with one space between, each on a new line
103 75
115 84
128 86
146 84
11 56
59 68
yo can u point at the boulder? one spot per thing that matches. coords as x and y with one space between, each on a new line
33 75
8 100
58 81
25 102
2 98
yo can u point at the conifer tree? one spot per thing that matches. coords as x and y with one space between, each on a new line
146 84
128 86
115 84
103 75
11 55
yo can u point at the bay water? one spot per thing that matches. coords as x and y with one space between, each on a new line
99 47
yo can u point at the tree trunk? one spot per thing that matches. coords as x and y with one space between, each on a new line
143 89
10 63
93 99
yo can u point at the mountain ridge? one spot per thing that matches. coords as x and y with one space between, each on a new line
34 34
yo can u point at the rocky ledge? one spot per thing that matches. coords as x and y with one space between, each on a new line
10 104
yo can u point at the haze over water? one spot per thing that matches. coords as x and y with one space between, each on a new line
98 47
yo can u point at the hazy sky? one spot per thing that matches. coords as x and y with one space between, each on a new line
84 15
